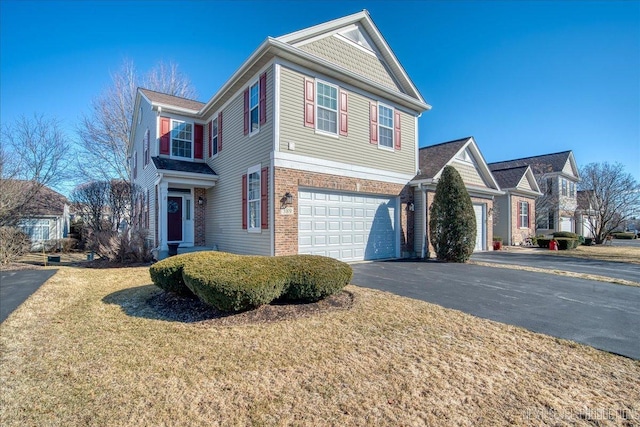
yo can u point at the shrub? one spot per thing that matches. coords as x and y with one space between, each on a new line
68 244
231 282
497 239
167 275
13 244
235 283
543 242
621 235
588 241
453 222
566 234
565 243
581 240
312 277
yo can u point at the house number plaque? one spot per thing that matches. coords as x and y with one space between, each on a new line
287 211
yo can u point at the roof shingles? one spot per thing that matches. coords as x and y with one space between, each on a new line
435 157
175 101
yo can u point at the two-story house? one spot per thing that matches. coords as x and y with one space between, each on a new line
557 177
309 147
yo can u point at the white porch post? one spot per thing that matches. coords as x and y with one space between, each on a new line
162 213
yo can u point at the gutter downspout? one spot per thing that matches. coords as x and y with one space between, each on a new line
509 237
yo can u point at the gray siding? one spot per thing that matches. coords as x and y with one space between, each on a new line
239 152
147 174
344 54
501 218
354 148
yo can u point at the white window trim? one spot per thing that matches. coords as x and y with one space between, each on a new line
335 134
520 216
214 144
171 139
146 148
256 82
393 136
254 169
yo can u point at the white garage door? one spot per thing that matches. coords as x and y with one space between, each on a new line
480 227
565 224
346 226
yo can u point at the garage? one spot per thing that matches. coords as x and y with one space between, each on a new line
347 226
481 230
565 224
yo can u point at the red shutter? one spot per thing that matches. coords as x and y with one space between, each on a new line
198 137
397 137
309 103
373 123
264 198
165 135
263 98
244 202
219 131
344 109
210 138
246 111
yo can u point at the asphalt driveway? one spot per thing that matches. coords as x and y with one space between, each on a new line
602 315
618 270
17 286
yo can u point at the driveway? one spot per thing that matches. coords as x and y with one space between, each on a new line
618 270
602 315
17 286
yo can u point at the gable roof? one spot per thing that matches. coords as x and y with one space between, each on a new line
546 163
361 20
46 201
510 178
583 199
163 99
434 158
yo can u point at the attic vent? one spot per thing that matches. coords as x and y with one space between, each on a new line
356 36
465 156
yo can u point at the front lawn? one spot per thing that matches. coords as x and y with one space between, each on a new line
94 347
602 252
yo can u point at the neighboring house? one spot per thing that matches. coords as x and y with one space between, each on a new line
308 148
585 214
557 177
514 213
464 155
46 219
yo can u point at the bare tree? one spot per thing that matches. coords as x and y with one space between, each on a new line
613 194
34 153
90 200
104 131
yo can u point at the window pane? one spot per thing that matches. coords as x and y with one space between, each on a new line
254 95
386 137
327 120
254 120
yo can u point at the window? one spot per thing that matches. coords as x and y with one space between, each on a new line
572 189
524 214
214 137
551 223
385 126
145 143
254 110
327 108
549 185
36 229
253 198
564 187
181 139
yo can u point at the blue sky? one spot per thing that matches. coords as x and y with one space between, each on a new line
523 78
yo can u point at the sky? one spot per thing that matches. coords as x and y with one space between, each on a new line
522 77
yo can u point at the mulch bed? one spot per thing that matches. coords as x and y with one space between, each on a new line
173 307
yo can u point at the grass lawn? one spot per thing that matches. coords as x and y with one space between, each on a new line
89 348
602 252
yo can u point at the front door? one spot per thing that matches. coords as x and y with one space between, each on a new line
174 218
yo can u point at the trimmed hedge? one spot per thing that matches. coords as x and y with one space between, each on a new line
231 282
543 242
312 277
621 235
167 274
565 243
567 234
588 241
